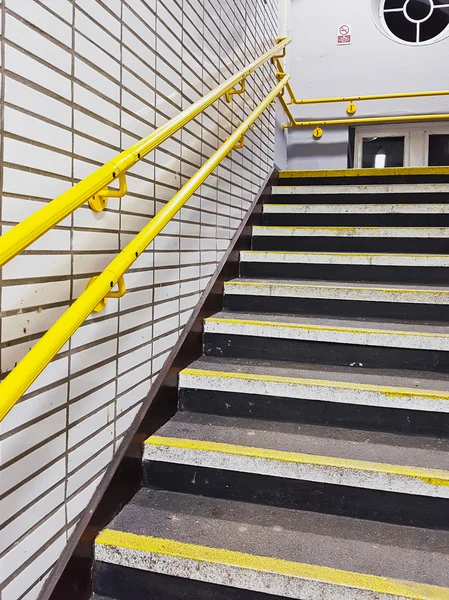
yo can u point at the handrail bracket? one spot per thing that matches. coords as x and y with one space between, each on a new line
119 293
238 146
100 200
288 112
274 58
234 92
351 108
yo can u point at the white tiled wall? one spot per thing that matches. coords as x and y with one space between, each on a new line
80 81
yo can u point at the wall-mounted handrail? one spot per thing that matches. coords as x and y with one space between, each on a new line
351 109
30 367
372 97
21 236
318 132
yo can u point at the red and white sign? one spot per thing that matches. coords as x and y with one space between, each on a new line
344 35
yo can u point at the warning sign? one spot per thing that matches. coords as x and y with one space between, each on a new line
344 35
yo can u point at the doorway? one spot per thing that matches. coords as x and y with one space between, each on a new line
402 146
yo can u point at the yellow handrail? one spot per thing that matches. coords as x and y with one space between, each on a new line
28 231
318 132
372 97
352 108
30 367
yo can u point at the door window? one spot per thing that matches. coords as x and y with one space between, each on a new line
382 152
414 145
438 150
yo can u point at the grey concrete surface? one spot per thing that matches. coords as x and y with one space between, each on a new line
395 551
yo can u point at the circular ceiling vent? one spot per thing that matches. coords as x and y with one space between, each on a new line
415 22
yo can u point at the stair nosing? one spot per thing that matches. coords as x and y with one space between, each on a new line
346 385
367 259
351 232
356 209
338 290
224 566
269 462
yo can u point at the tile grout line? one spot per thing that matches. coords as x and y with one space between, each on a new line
72 219
120 245
2 130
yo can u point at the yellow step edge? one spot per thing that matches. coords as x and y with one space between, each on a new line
395 392
265 564
324 228
324 328
364 254
433 477
325 287
389 171
382 204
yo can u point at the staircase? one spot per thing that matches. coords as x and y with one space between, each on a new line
309 457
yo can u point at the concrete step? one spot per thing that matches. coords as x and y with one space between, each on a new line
415 190
340 214
357 232
357 220
356 209
379 476
354 386
416 336
327 237
338 291
364 259
382 301
130 583
235 551
401 401
343 457
350 178
124 583
320 340
351 266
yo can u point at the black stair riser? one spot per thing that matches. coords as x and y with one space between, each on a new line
356 273
324 353
342 308
360 503
363 180
351 198
352 244
347 220
315 412
124 583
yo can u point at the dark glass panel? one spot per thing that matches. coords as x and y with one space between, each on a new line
383 152
394 4
401 26
418 9
438 150
435 25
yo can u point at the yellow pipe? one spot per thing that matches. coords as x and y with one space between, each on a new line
367 172
288 112
28 231
373 97
288 87
366 120
32 365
